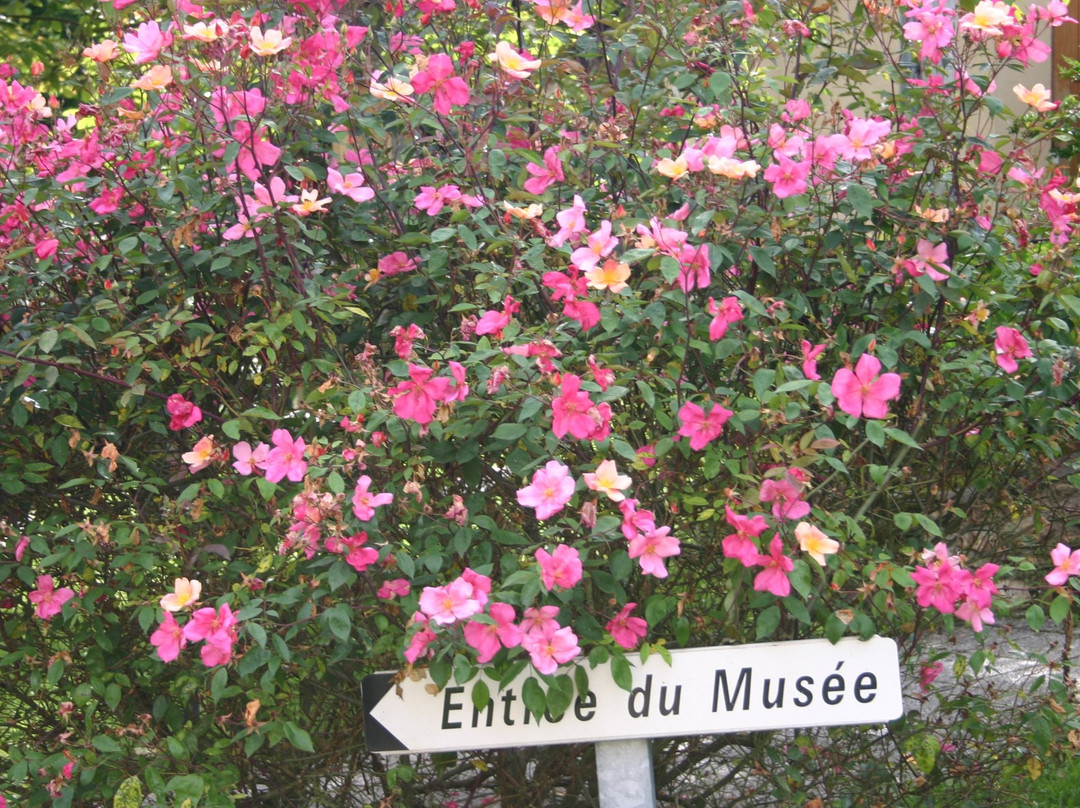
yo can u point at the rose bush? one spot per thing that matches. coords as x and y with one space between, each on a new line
338 338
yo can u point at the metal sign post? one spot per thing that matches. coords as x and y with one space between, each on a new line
731 688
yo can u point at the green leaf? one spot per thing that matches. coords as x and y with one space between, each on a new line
581 680
257 632
1059 608
764 260
467 237
481 695
719 84
339 620
81 335
497 163
1035 617
298 737
129 794
861 201
47 340
56 671
463 669
834 628
928 524
439 670
670 268
103 743
532 694
266 488
797 609
509 432
768 621
217 683
647 394
558 700
900 436
621 673
801 578
186 788
262 412
339 575
924 750
875 432
511 673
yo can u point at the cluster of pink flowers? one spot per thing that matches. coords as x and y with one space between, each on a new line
810 354
947 586
312 515
396 262
742 544
448 89
299 68
627 631
354 548
649 544
432 200
285 460
787 494
459 600
574 413
571 15
216 628
930 259
539 633
404 339
714 154
695 270
316 518
547 643
570 288
365 502
418 398
777 567
798 153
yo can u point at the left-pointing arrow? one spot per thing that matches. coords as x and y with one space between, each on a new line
375 688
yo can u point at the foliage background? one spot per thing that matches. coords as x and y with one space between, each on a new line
292 330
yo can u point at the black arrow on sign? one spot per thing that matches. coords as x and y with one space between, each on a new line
378 738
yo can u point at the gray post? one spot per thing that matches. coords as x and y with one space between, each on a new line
624 774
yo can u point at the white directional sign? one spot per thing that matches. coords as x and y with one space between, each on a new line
803 683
